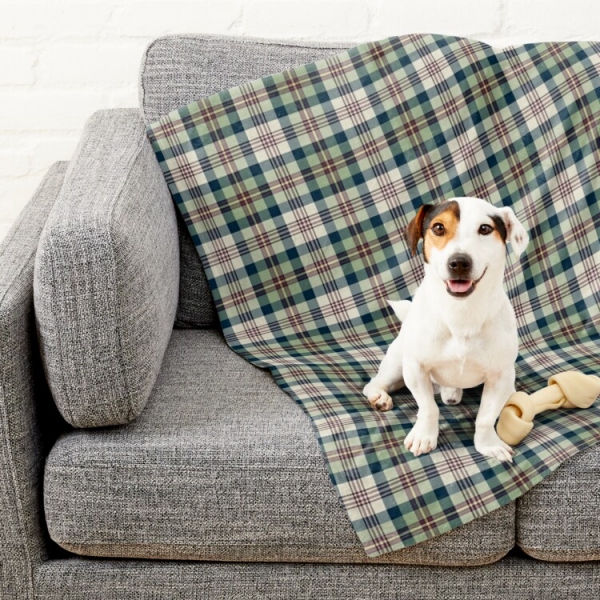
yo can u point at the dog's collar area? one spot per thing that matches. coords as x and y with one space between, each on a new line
461 288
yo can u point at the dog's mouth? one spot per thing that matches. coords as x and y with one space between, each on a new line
461 288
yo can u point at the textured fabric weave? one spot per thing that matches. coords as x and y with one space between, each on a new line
559 519
296 189
178 69
107 274
221 465
26 423
509 579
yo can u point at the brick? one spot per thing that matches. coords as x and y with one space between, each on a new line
46 18
15 194
17 66
4 228
335 20
14 164
126 96
466 18
155 18
46 151
543 20
107 63
49 110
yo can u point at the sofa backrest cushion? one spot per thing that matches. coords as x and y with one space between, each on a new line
177 70
106 275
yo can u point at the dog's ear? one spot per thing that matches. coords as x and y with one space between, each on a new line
414 231
515 232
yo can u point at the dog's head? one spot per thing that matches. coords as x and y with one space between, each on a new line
464 239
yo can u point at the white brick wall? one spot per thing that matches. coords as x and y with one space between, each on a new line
60 60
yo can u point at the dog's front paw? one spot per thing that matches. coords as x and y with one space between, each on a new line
381 401
489 444
422 438
378 398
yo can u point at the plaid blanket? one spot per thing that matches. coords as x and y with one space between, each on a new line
296 189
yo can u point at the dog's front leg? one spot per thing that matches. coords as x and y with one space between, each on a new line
388 378
496 391
422 438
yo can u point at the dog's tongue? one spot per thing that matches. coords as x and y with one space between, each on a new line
458 286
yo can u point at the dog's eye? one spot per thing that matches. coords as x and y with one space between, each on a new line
438 229
486 229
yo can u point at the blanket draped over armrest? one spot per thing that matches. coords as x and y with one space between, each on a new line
296 189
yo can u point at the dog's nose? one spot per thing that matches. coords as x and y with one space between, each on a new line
459 265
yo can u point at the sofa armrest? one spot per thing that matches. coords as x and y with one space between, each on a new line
106 279
24 398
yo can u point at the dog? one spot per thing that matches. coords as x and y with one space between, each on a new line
460 329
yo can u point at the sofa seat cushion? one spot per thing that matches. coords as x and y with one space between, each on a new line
559 519
221 465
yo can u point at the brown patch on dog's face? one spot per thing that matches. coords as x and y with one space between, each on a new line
440 226
414 231
499 228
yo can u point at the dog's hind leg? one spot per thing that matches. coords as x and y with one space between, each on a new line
450 395
388 379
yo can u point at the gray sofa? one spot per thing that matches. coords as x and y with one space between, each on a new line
181 471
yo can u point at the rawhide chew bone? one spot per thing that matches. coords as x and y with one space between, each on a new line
571 389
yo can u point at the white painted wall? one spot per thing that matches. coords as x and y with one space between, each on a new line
60 60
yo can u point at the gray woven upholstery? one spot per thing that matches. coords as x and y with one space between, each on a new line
196 308
177 70
24 400
221 465
107 274
509 579
559 519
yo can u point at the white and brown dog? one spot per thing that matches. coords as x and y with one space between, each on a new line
459 330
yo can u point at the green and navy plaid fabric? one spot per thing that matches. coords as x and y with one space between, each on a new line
296 189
